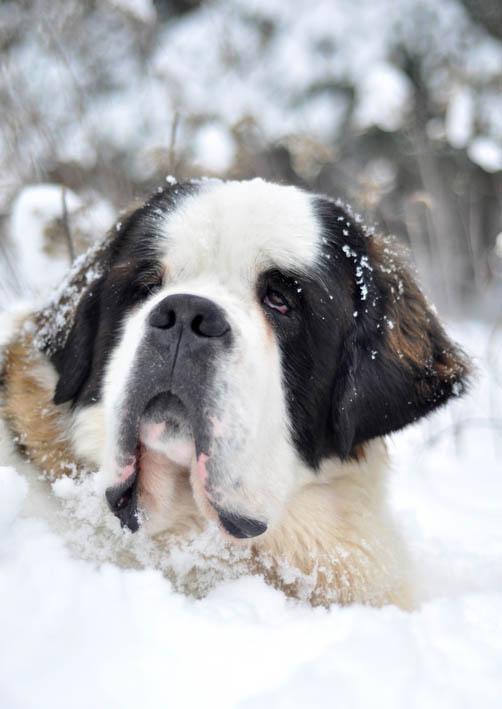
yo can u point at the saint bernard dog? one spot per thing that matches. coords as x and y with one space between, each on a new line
233 354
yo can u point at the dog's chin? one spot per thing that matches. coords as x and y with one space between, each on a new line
149 477
167 474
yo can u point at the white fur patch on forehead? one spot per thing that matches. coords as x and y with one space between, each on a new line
242 227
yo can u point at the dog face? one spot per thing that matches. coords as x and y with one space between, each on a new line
241 334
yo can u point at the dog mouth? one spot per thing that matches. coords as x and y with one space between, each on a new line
162 436
168 445
122 499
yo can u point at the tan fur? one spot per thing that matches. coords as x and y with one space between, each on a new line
409 336
336 542
338 532
37 425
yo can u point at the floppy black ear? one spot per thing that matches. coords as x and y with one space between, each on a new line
74 359
397 363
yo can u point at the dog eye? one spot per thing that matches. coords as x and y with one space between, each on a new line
275 301
149 289
145 289
152 288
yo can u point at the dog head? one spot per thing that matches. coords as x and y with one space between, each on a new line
239 335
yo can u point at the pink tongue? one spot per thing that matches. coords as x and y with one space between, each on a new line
125 472
201 467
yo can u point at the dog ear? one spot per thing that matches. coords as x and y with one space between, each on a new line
397 363
73 361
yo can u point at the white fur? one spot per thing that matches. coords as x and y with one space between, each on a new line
250 401
88 435
232 230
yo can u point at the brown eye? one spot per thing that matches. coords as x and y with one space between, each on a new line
152 288
147 287
275 301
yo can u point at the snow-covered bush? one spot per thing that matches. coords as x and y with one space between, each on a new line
392 104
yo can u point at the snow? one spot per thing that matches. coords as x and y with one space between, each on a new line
88 619
33 210
214 148
459 118
384 98
40 254
486 152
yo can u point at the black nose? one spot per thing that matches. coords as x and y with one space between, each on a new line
202 316
241 527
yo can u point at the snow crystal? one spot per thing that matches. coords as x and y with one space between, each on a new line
365 263
348 251
55 318
363 288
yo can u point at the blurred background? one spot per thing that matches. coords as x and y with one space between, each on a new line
393 105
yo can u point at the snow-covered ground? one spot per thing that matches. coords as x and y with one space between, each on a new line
80 629
87 619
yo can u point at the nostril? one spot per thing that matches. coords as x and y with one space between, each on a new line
196 325
211 324
163 318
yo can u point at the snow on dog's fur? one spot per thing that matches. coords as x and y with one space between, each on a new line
232 355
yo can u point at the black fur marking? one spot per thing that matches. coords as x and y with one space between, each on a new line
241 527
73 362
131 273
123 501
363 355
